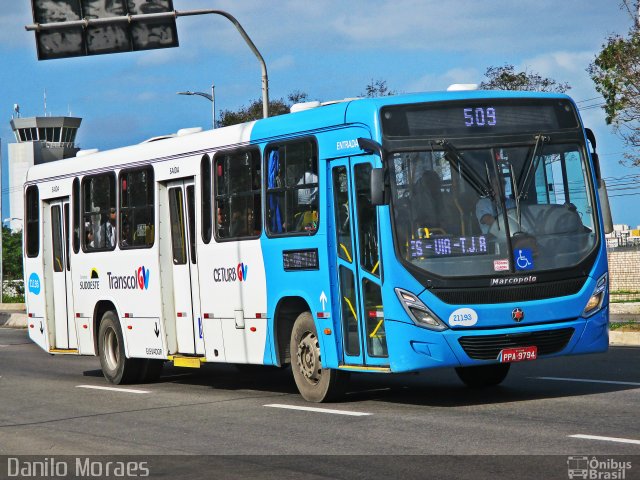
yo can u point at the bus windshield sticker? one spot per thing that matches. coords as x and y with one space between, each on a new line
501 265
523 258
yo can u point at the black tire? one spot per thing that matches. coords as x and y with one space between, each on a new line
483 375
150 370
116 367
315 384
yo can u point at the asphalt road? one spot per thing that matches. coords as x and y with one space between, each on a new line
587 405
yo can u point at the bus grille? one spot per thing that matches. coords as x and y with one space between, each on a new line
520 293
487 347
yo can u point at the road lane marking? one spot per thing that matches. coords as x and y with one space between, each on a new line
319 410
607 439
112 389
587 380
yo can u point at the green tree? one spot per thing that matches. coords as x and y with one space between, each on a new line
12 265
506 78
11 254
253 111
377 88
616 74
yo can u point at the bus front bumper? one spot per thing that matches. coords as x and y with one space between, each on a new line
414 348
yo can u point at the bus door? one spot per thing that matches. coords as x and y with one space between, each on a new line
58 269
186 288
358 296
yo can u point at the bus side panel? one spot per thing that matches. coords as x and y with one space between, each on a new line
233 294
34 295
313 285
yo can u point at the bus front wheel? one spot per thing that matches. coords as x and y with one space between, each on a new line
483 375
116 367
315 384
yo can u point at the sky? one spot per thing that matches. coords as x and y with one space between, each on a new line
329 49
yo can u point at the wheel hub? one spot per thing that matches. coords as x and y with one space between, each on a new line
308 357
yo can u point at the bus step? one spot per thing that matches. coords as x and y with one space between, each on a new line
186 361
363 368
67 351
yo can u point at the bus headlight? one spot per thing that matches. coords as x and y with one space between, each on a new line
597 297
418 311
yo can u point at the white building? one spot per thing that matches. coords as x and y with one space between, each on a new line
40 140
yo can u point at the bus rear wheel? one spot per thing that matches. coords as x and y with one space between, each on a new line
483 375
116 367
315 384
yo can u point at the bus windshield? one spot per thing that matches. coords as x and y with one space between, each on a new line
493 210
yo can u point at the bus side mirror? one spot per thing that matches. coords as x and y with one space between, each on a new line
378 189
605 208
607 220
378 183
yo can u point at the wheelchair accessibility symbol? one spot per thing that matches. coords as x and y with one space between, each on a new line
523 259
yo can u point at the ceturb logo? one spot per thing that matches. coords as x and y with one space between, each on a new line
139 280
231 274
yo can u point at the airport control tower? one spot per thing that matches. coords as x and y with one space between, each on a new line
40 140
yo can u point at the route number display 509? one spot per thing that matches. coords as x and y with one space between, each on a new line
480 117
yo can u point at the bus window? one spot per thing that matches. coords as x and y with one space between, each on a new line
343 222
191 219
238 192
349 304
99 216
76 215
56 235
136 208
32 220
205 178
376 335
292 187
367 220
176 217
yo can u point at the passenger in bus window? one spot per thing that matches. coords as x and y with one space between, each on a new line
108 231
486 208
428 205
237 226
89 238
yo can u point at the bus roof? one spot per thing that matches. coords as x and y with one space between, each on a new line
351 111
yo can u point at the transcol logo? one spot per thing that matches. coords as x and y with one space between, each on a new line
139 279
143 278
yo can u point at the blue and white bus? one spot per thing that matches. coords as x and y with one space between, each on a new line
459 229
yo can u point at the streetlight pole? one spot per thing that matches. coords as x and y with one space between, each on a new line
89 22
211 98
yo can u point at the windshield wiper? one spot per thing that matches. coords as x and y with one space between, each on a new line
467 172
531 165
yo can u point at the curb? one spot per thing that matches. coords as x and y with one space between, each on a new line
628 339
13 320
12 307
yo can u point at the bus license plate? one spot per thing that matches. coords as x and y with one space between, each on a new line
518 354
